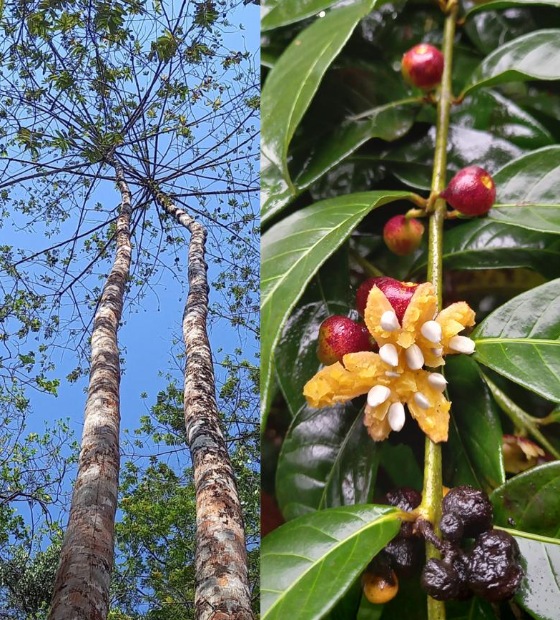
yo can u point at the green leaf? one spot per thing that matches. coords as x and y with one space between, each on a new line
165 46
520 340
369 611
400 464
294 79
539 591
477 421
292 252
495 5
296 358
308 564
287 12
388 122
530 57
275 193
412 163
490 111
528 191
327 460
529 501
487 244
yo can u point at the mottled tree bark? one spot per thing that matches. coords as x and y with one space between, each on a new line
81 590
222 585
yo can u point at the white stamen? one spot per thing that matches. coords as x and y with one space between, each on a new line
421 400
388 354
414 357
392 374
437 352
396 416
389 321
431 330
437 381
377 395
462 344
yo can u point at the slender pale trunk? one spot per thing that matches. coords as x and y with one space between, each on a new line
222 585
81 590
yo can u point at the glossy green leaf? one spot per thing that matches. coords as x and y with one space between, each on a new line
529 501
495 5
490 111
488 31
528 191
292 252
533 56
293 81
412 162
296 358
327 460
400 464
487 244
308 564
287 12
521 340
539 591
387 122
275 193
477 420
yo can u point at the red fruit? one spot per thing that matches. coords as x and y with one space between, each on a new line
471 191
403 235
398 293
339 335
422 66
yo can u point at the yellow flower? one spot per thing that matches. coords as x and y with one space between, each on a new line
365 373
395 377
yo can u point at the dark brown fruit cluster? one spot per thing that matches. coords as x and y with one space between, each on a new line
491 569
466 512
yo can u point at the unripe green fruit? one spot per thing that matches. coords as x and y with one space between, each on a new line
398 293
338 336
403 235
471 191
422 66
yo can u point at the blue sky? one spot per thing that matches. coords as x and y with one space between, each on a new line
147 335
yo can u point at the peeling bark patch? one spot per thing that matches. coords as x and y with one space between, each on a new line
81 590
222 585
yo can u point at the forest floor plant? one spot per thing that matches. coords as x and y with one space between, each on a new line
338 555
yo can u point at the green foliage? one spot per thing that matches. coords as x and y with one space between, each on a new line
339 124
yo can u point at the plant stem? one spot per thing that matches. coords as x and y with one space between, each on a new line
369 269
520 417
432 492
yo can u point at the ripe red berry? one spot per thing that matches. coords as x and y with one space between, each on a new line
398 293
471 191
339 335
403 235
422 66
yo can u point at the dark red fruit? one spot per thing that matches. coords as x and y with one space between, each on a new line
398 293
422 66
405 555
493 568
339 335
471 191
403 235
469 506
446 580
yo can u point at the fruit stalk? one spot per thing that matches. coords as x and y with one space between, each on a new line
432 492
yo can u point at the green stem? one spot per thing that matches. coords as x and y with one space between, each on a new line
369 269
519 417
432 492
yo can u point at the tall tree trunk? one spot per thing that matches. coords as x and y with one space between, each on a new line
81 590
222 585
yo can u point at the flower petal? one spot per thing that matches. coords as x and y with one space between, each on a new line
377 305
377 421
339 383
453 320
434 420
422 308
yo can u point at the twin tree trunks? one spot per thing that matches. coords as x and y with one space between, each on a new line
81 590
